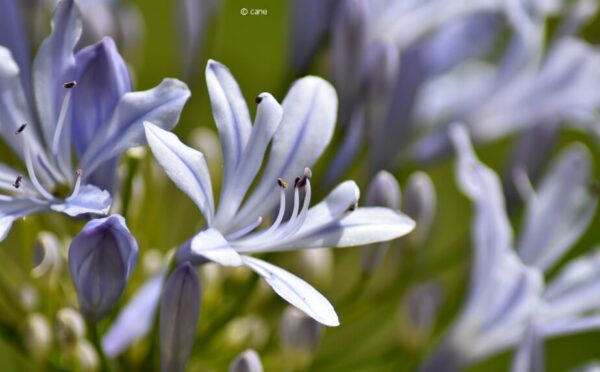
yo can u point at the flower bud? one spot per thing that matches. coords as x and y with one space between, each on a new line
418 314
316 266
383 191
69 327
247 361
247 331
179 312
101 258
420 204
37 336
300 336
86 356
28 297
48 260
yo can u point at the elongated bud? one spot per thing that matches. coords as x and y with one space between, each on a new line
37 336
86 356
420 204
101 259
179 312
300 336
383 191
247 361
69 327
418 314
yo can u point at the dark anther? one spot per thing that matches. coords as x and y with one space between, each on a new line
296 181
18 181
352 208
79 172
70 84
281 182
258 99
21 128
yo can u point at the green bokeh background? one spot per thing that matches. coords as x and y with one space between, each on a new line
371 337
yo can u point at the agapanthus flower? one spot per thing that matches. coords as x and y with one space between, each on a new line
508 302
298 132
77 103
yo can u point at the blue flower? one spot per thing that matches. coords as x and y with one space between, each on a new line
79 102
508 302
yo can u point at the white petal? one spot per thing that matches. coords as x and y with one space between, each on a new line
309 114
89 199
231 116
295 291
185 166
211 244
561 210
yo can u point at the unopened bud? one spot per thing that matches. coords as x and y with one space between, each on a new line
86 356
300 337
248 331
418 314
101 259
37 336
179 312
316 266
383 191
420 204
69 327
247 361
48 260
28 297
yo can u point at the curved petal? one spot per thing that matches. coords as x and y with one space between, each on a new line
161 105
268 118
185 166
54 65
295 291
88 199
13 36
310 110
102 78
15 208
561 210
231 116
530 355
213 246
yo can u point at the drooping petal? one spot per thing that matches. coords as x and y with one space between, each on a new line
268 118
89 199
231 116
310 109
161 105
185 166
102 78
54 65
295 291
492 233
135 320
179 312
213 246
560 211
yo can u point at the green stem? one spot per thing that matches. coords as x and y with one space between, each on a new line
95 338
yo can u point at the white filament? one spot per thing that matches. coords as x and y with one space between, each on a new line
245 230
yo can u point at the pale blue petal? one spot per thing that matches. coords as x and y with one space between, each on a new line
295 291
89 199
161 105
560 212
213 246
13 37
268 118
15 208
54 65
530 354
310 110
185 166
135 320
231 116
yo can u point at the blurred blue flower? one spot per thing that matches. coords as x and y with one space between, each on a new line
247 361
300 130
81 102
179 311
101 259
508 302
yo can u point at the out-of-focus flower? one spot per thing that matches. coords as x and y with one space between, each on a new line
37 335
300 336
79 102
69 327
246 331
247 361
418 314
420 204
48 260
508 302
179 311
86 357
101 259
299 137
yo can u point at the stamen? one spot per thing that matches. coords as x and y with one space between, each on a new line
61 119
18 181
307 175
281 182
296 223
79 173
34 181
70 84
245 230
21 128
352 207
258 99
